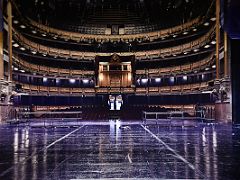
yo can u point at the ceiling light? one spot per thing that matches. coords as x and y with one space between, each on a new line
34 52
214 66
195 29
22 48
15 22
207 46
55 37
213 42
15 45
34 32
174 55
171 79
15 69
72 81
158 80
23 26
144 80
44 35
163 38
213 19
85 81
185 33
196 50
45 79
207 68
185 53
184 78
44 55
206 24
22 71
174 35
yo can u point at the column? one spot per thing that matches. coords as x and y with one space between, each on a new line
9 12
226 57
217 38
1 41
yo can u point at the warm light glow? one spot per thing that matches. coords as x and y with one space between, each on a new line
101 77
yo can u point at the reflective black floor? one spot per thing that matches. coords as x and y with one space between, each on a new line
112 151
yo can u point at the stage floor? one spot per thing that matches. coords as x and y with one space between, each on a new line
115 151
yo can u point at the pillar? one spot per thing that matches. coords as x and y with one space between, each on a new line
226 57
217 39
9 12
1 42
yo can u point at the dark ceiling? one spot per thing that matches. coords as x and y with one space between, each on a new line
108 12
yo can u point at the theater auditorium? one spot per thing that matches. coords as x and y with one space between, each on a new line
119 89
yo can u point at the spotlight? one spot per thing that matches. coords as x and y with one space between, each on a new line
34 52
15 22
15 69
23 26
144 81
45 79
34 32
72 81
22 48
185 33
213 42
44 35
213 19
15 45
85 81
207 46
171 79
22 71
196 50
206 24
158 80
185 78
214 66
194 29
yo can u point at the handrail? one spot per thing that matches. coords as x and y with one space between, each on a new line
180 68
34 89
61 71
105 38
50 70
139 55
99 38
